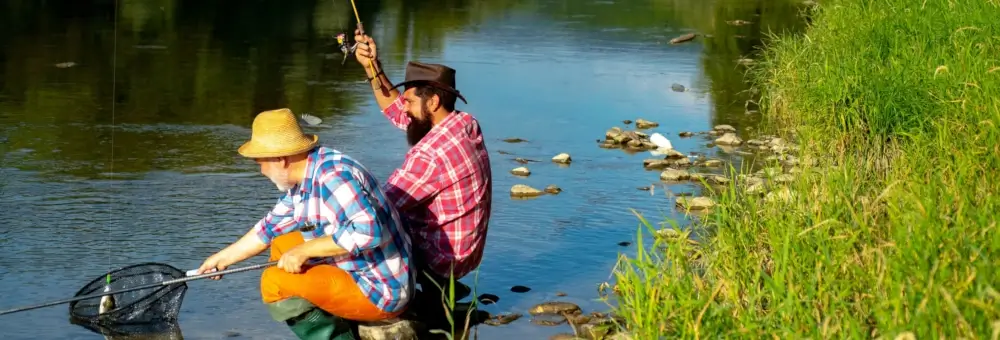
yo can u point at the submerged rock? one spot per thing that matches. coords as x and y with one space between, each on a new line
548 319
521 190
521 171
562 158
739 22
519 289
554 307
514 140
686 134
677 87
502 319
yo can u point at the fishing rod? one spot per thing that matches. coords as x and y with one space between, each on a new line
190 277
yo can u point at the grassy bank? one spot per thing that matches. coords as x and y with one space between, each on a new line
890 229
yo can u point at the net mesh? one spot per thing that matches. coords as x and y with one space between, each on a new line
135 311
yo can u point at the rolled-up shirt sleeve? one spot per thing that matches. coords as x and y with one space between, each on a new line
396 113
352 214
279 221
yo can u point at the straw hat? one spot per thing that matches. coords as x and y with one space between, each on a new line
276 133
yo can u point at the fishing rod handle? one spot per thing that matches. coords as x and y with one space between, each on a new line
193 274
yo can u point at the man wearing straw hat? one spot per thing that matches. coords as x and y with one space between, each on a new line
349 260
443 189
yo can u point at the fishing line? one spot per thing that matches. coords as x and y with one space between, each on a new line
114 94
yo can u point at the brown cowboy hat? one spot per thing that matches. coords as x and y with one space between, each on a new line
436 75
276 133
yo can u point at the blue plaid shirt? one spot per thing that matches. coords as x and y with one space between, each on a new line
344 201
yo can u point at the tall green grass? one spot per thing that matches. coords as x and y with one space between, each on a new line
892 232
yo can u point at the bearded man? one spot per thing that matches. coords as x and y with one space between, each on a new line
444 188
350 259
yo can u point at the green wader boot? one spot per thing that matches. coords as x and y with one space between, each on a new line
309 322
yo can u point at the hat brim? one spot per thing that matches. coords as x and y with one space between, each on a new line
252 149
435 84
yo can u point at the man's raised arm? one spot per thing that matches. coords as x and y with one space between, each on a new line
367 55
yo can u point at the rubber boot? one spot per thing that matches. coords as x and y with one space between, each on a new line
309 322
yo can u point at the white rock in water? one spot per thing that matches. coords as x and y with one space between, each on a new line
310 119
562 158
521 190
660 141
521 171
674 175
728 139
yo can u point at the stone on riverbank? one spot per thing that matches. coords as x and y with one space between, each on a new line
521 190
562 158
521 171
728 139
695 203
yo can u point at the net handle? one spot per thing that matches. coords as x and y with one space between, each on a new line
189 277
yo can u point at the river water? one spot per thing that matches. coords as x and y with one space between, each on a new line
87 186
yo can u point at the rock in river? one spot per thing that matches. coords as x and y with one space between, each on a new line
683 38
696 203
502 319
724 128
728 139
521 190
557 307
686 134
645 124
521 171
677 87
674 175
553 189
562 158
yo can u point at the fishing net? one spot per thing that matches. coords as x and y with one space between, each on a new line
138 311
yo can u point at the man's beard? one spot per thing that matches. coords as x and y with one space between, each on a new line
281 182
418 128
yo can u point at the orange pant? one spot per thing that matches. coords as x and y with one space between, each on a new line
326 286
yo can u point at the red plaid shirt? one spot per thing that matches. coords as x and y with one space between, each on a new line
443 192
